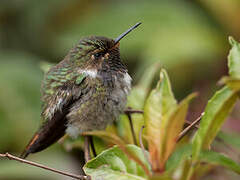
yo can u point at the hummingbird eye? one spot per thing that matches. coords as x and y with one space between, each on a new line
99 54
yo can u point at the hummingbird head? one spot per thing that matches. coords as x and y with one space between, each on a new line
97 52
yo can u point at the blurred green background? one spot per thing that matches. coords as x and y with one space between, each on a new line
187 37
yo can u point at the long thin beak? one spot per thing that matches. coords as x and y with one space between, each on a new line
126 32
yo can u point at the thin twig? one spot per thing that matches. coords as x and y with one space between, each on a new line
132 128
196 126
11 157
187 129
133 111
142 146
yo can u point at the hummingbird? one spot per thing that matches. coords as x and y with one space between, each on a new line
85 91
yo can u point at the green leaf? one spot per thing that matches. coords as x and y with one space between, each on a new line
164 121
220 160
175 126
184 152
232 83
179 163
218 108
178 156
157 110
115 164
234 59
118 141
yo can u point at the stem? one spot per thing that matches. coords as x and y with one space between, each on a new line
133 111
187 129
189 122
132 128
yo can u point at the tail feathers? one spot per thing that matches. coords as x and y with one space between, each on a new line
27 150
24 154
48 134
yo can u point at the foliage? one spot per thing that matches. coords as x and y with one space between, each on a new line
164 119
114 163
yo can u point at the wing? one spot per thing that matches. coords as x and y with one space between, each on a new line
58 96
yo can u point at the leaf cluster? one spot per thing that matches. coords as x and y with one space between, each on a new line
164 119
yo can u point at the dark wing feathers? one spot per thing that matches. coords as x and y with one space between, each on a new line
55 109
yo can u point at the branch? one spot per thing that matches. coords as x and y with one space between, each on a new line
132 128
132 111
187 129
11 157
196 126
